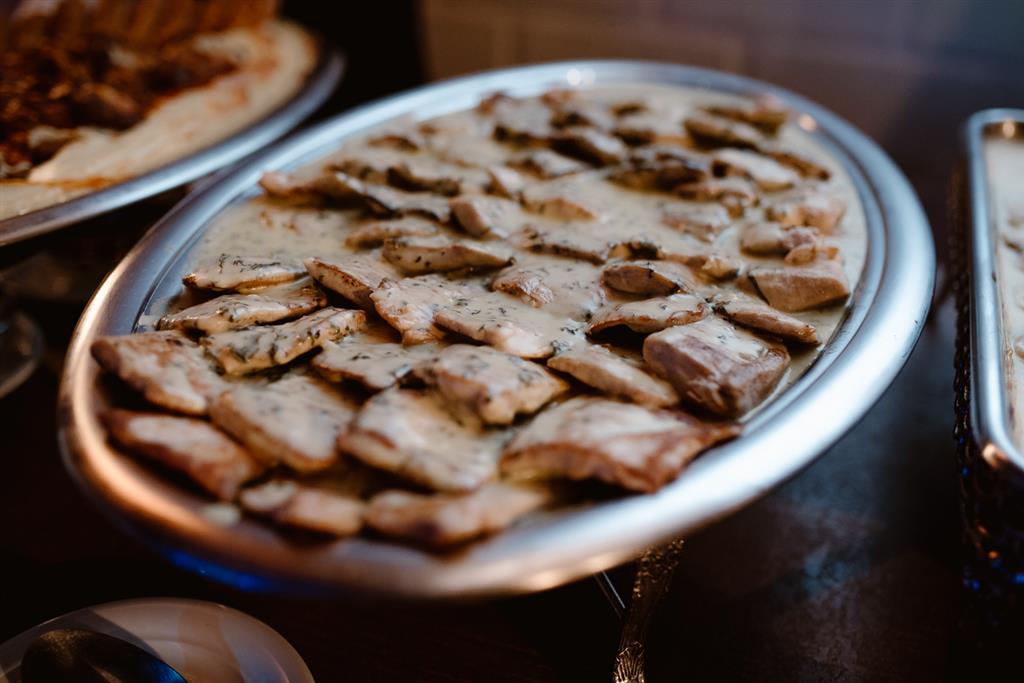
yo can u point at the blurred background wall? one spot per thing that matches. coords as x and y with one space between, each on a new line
907 72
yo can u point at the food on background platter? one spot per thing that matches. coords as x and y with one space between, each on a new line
595 284
95 92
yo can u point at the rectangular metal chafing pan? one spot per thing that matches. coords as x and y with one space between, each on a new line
991 464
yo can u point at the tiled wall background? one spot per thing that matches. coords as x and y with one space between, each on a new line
907 72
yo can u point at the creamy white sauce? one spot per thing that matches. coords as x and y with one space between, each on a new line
271 228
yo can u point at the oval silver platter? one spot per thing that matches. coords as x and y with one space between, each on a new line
318 86
881 325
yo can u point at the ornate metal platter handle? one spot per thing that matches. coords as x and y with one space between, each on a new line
654 572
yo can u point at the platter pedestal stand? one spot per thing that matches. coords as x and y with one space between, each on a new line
654 571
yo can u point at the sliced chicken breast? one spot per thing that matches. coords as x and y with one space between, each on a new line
717 131
232 273
496 386
294 421
768 174
563 287
355 277
651 278
509 325
418 255
817 284
483 216
717 366
410 305
650 315
235 311
815 208
167 368
752 313
300 506
767 112
443 520
614 375
768 238
376 364
373 234
637 448
265 346
706 223
414 435
189 445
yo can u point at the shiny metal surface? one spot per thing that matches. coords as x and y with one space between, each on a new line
989 410
883 321
319 85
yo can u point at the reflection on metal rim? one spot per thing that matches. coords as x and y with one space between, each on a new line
315 92
882 323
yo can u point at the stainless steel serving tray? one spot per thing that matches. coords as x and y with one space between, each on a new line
318 86
882 323
989 408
